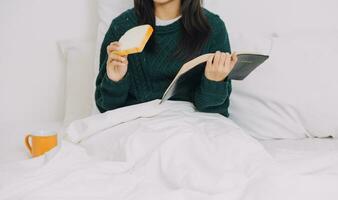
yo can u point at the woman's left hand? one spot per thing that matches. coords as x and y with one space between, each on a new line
220 65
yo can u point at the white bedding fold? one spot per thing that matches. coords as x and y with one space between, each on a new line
174 152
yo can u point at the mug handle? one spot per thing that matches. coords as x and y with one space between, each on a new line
28 145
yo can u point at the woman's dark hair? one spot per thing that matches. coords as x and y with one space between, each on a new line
195 26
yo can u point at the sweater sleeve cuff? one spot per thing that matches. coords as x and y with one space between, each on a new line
218 88
116 88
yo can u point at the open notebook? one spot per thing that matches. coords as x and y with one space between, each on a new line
246 63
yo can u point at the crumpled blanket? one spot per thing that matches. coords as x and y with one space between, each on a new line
174 152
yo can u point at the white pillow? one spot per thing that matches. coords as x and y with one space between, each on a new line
79 57
251 42
294 94
108 9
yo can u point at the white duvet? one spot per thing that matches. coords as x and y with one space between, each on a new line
167 151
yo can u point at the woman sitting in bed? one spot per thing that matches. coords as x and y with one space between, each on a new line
183 31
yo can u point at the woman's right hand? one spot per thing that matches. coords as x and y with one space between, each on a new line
117 66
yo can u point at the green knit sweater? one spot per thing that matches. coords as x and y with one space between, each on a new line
150 72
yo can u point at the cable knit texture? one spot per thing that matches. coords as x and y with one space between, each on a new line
150 72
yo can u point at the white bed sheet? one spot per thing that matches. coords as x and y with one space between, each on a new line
310 155
309 146
307 155
103 146
286 150
317 156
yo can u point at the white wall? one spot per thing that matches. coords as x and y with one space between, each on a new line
266 16
31 71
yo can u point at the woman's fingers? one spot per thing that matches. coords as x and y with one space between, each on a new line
234 59
125 59
216 59
116 60
219 65
222 60
209 62
208 66
113 46
115 57
118 64
227 61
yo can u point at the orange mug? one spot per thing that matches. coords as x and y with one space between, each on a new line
40 143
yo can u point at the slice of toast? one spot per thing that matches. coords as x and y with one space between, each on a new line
134 40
